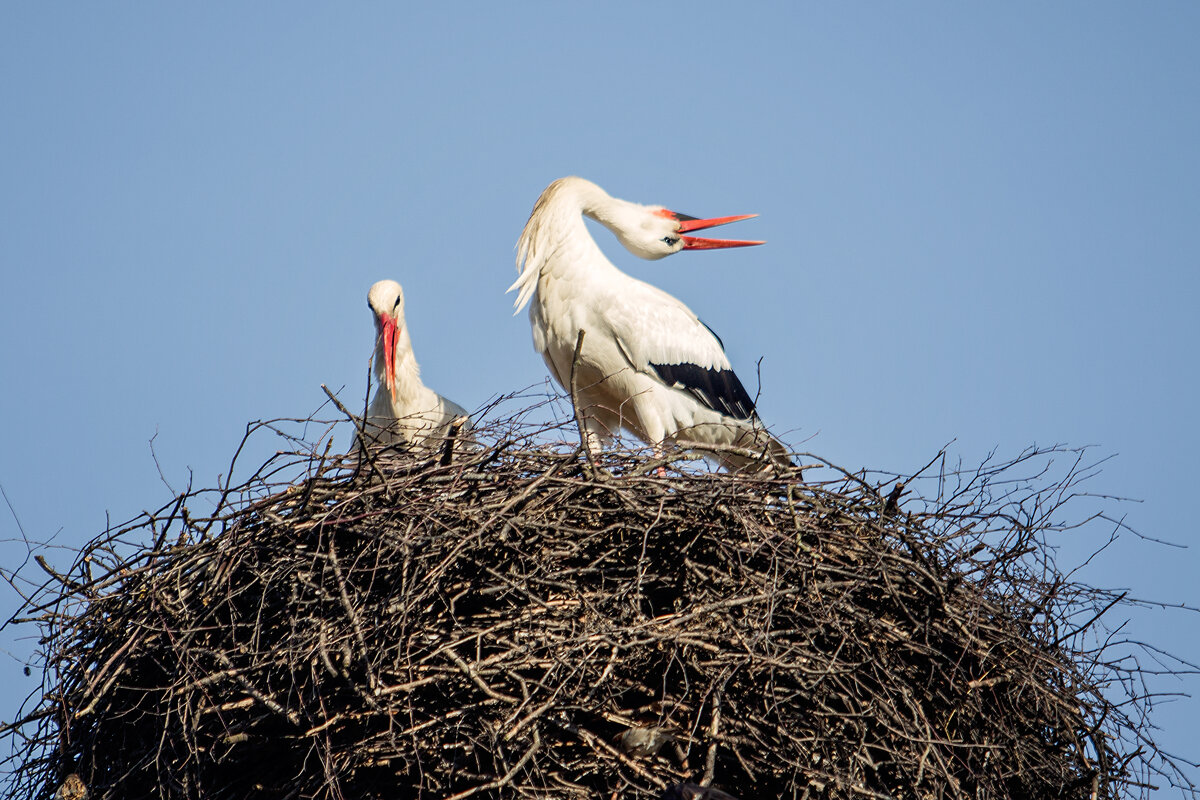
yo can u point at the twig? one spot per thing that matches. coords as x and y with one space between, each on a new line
584 436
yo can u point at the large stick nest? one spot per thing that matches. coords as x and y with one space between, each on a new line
522 622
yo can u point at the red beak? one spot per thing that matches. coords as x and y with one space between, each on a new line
389 352
687 223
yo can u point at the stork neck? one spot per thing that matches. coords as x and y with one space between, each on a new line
603 208
556 239
408 373
570 242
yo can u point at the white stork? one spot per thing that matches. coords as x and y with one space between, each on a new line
404 410
647 364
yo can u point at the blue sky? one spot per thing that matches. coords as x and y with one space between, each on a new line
983 226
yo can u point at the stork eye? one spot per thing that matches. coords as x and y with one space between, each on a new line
670 240
395 303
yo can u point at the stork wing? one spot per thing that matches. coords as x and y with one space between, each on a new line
661 336
538 325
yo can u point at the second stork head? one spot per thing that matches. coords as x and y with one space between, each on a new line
653 232
386 300
556 237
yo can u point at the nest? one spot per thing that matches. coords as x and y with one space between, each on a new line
524 621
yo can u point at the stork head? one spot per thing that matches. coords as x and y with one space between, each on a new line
649 232
652 232
386 300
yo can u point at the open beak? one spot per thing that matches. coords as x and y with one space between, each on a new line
687 224
389 352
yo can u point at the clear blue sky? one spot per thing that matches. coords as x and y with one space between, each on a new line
983 225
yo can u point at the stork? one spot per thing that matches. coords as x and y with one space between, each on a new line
646 363
404 410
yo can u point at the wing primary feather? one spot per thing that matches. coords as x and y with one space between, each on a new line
718 389
714 333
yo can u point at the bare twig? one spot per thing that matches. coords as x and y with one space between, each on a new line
585 442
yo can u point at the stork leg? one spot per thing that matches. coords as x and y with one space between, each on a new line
594 433
658 450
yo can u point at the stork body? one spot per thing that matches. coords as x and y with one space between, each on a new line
404 410
647 363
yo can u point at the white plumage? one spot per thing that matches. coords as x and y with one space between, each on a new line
404 410
648 364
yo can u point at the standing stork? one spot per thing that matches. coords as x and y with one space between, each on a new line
647 363
404 410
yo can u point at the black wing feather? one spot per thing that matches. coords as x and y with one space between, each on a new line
719 389
714 333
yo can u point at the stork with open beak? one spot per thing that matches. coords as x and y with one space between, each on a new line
647 363
404 410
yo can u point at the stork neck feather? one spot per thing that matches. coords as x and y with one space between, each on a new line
408 372
555 237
